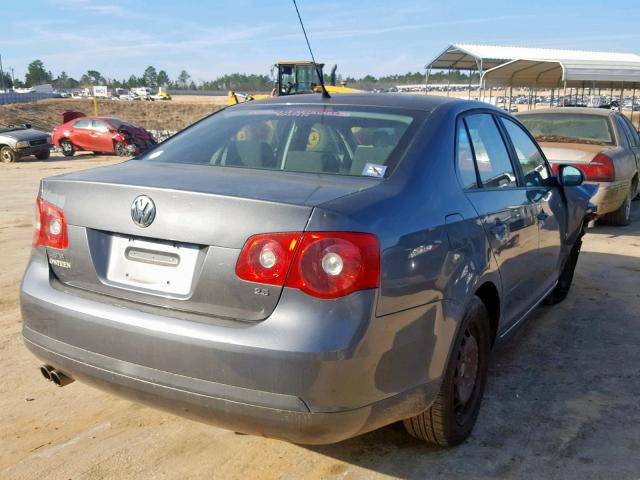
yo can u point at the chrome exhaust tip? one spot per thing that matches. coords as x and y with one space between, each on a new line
60 379
46 370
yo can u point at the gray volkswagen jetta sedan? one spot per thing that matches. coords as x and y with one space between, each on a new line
305 268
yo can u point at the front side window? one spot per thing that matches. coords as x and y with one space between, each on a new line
363 141
491 154
531 160
117 123
99 126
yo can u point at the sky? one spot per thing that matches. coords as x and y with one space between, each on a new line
211 38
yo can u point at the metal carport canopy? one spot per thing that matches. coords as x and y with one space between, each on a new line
464 56
554 73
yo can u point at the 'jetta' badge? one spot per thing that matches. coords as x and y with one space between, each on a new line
143 211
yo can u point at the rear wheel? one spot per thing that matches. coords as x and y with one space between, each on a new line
622 216
7 155
67 148
451 417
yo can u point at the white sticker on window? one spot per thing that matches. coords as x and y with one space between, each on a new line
374 170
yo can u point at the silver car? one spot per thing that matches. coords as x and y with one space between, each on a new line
602 143
307 269
18 141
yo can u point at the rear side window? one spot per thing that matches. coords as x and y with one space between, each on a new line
491 154
362 141
531 160
464 158
83 124
632 134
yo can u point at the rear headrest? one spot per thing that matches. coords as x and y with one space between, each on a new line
305 161
250 153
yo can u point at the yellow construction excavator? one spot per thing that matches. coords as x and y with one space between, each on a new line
292 78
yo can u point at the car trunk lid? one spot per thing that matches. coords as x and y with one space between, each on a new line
571 152
185 259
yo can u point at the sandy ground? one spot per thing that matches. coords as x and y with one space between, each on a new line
562 402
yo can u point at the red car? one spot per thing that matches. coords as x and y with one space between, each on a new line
99 135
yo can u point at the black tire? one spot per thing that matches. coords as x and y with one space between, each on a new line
67 148
565 279
43 155
7 155
451 417
120 149
620 217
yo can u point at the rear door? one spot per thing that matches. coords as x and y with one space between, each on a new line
80 136
545 199
503 205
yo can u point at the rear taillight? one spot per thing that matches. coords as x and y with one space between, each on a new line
266 258
50 229
321 264
600 169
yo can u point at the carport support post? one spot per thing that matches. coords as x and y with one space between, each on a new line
426 81
469 84
1 75
633 102
448 82
510 95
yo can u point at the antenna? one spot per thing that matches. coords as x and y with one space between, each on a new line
325 94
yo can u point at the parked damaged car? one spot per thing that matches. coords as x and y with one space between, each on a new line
100 135
603 144
18 141
307 269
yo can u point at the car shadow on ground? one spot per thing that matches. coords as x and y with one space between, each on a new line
562 400
56 157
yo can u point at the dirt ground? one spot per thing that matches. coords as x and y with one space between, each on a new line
562 401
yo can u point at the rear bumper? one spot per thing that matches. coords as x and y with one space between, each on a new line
297 426
610 196
283 377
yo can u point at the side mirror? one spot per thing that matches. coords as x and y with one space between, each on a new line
570 176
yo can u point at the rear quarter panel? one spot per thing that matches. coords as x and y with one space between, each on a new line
433 246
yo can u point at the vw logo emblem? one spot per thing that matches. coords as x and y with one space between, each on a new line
143 211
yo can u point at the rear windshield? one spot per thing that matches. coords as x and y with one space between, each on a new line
295 138
569 128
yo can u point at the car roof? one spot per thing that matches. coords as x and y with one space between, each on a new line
601 112
87 117
398 100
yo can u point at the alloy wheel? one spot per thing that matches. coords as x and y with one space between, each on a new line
466 373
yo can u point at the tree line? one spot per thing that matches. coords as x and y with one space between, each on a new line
37 74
